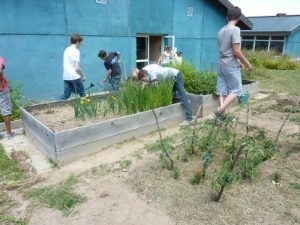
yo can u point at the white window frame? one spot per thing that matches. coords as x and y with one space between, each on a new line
148 49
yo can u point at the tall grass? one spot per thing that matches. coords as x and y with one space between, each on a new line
133 98
270 60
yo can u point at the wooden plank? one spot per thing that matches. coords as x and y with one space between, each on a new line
89 148
83 135
42 136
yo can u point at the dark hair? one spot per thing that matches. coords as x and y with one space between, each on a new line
75 38
3 67
234 13
141 74
102 54
179 53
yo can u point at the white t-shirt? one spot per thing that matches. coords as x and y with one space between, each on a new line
71 57
156 71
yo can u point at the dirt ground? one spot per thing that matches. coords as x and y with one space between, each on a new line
144 193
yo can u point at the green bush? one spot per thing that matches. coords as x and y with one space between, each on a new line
197 82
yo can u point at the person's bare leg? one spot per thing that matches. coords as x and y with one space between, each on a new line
7 123
227 101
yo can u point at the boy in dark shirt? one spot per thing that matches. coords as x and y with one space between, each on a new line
112 66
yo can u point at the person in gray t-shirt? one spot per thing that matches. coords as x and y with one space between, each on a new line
230 63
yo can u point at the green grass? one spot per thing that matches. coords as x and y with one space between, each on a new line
62 197
9 220
9 170
283 80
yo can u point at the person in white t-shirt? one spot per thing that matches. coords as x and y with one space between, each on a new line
153 73
166 58
72 73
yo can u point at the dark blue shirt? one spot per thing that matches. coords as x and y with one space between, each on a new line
112 63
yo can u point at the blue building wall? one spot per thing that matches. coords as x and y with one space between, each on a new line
34 34
293 44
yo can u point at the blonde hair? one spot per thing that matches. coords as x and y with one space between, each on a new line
134 74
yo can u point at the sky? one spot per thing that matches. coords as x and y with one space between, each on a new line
267 7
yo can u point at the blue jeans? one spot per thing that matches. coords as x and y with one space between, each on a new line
72 86
114 82
179 88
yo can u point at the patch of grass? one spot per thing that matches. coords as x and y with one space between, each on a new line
9 169
296 119
9 220
276 177
62 197
295 186
125 163
283 80
53 164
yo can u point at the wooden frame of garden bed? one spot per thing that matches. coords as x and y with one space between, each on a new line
68 145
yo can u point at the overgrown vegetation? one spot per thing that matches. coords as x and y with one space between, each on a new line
62 197
195 81
270 60
9 169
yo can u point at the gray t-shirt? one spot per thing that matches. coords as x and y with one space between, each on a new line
228 36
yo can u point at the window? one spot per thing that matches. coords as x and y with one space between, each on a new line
277 46
262 38
142 51
247 44
248 37
261 45
277 37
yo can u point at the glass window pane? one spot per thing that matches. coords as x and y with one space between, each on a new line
277 46
248 37
247 44
141 48
141 65
261 45
277 37
262 38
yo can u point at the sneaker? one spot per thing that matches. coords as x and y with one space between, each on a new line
186 123
217 115
11 135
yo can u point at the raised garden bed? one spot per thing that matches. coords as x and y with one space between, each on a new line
65 145
210 102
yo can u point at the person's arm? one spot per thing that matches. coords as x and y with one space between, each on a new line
108 74
239 55
79 71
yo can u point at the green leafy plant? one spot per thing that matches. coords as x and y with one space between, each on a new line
86 107
195 81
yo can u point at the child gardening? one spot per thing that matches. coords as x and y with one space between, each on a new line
5 102
151 75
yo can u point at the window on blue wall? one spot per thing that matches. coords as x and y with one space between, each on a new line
277 46
261 45
247 44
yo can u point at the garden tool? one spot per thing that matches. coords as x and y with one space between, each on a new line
91 85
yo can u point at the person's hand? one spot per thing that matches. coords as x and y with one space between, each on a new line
249 67
83 78
242 66
104 80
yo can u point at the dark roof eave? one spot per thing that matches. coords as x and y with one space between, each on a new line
244 19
